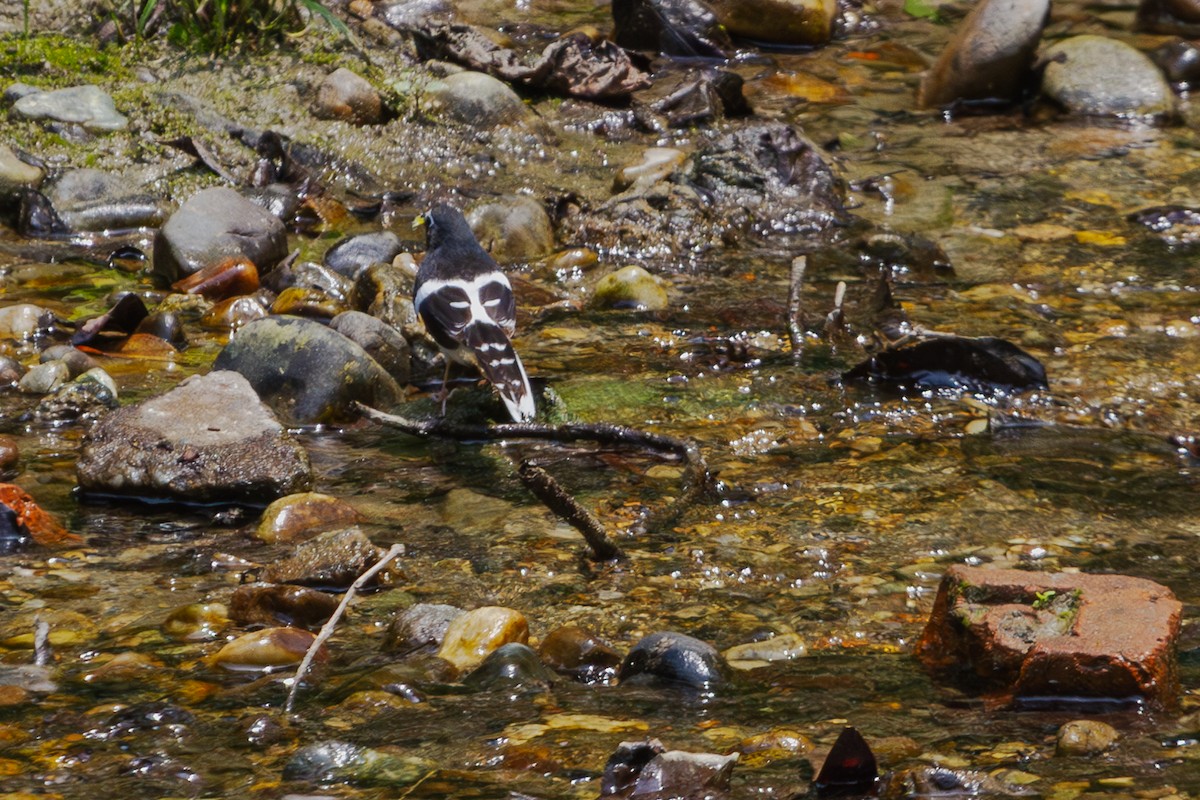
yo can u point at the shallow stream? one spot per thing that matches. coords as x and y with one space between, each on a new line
836 507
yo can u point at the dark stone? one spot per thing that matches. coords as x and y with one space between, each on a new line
849 769
1180 62
986 365
333 560
307 372
679 774
695 98
382 342
626 763
648 770
510 666
1063 635
216 225
670 27
208 440
674 658
277 604
353 254
419 627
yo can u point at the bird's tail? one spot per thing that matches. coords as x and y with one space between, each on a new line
501 365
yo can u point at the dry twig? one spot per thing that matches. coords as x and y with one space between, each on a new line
327 629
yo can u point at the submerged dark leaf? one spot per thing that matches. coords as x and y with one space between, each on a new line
122 319
573 64
981 366
36 215
849 769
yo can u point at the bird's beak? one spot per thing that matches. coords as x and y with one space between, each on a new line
419 220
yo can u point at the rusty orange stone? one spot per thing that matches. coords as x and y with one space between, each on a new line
1055 636
232 277
42 526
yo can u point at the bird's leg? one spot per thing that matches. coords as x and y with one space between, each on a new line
444 392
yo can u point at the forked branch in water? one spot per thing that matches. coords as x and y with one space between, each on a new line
695 478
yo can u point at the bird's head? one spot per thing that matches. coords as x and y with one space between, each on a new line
443 223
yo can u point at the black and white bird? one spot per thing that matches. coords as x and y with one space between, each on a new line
467 305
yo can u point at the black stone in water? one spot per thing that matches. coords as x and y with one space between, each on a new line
626 763
13 535
982 366
849 769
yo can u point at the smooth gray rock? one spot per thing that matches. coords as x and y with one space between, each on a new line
1098 76
44 378
306 371
92 200
15 173
990 54
348 96
513 228
208 440
384 343
421 626
352 255
476 99
86 105
215 225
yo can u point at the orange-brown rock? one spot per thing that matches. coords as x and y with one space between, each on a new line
1060 635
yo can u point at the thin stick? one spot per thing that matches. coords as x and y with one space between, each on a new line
548 490
42 654
696 477
795 305
327 629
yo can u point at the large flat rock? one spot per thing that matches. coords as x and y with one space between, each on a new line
208 440
1060 635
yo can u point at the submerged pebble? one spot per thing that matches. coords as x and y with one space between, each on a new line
630 287
301 516
266 649
280 604
471 637
1085 737
196 622
579 653
342 762
333 559
513 666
